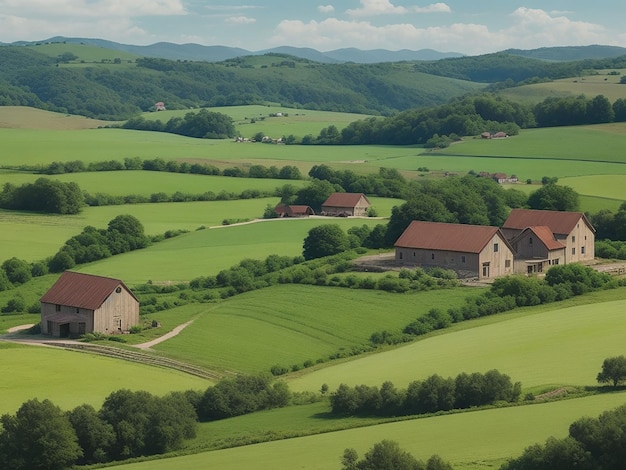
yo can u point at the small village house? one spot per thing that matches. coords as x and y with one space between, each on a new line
346 204
470 250
83 303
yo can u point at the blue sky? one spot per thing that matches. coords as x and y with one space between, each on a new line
466 26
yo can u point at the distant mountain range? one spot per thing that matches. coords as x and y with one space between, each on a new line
197 52
167 50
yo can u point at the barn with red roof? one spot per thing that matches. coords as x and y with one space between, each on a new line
346 204
470 250
83 303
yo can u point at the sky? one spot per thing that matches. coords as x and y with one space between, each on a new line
466 26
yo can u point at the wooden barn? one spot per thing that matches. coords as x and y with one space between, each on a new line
470 250
346 204
293 211
83 303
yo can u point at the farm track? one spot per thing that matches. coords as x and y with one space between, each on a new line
136 356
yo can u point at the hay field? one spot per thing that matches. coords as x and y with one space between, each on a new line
23 117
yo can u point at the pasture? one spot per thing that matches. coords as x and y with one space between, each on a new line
561 346
289 324
22 117
71 378
473 440
206 252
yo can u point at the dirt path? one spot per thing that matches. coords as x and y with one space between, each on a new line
165 337
20 328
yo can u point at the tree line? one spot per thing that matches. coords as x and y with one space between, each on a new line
203 125
430 395
470 116
40 436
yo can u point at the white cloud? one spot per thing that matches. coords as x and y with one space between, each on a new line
240 20
326 8
385 7
433 8
91 9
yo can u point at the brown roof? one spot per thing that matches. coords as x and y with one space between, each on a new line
82 290
344 199
546 236
449 237
560 223
294 210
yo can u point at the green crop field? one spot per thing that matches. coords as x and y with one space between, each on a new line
604 186
469 441
71 378
290 324
560 346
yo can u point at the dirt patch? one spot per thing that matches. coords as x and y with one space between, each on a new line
20 328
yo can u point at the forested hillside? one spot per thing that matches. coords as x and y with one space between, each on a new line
119 90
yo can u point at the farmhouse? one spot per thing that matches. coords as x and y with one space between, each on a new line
293 211
82 303
346 204
536 248
470 250
571 229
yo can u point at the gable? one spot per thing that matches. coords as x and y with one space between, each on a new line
560 223
544 235
448 237
82 290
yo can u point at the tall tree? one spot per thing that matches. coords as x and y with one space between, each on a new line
325 240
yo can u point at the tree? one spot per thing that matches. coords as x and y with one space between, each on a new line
555 198
38 437
386 455
95 436
325 240
613 370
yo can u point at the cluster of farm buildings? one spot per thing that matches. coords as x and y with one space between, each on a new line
529 242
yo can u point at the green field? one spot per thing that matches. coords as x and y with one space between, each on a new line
71 378
560 346
290 324
469 441
206 252
589 85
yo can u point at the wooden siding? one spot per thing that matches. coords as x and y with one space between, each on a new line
117 314
360 209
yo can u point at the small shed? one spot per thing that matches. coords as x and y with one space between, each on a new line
80 303
346 204
293 211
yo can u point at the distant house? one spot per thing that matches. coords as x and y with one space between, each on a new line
346 204
572 229
160 106
502 178
470 250
293 211
83 303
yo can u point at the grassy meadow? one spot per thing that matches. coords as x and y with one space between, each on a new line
70 378
469 441
555 345
289 324
589 85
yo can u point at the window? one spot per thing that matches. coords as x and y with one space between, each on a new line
555 262
507 263
573 239
573 251
530 240
118 290
57 308
400 255
582 250
432 256
77 310
495 247
414 255
462 258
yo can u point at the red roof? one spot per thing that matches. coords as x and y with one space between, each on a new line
449 237
546 236
82 290
560 223
344 199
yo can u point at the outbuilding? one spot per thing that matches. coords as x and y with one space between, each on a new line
346 204
83 303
